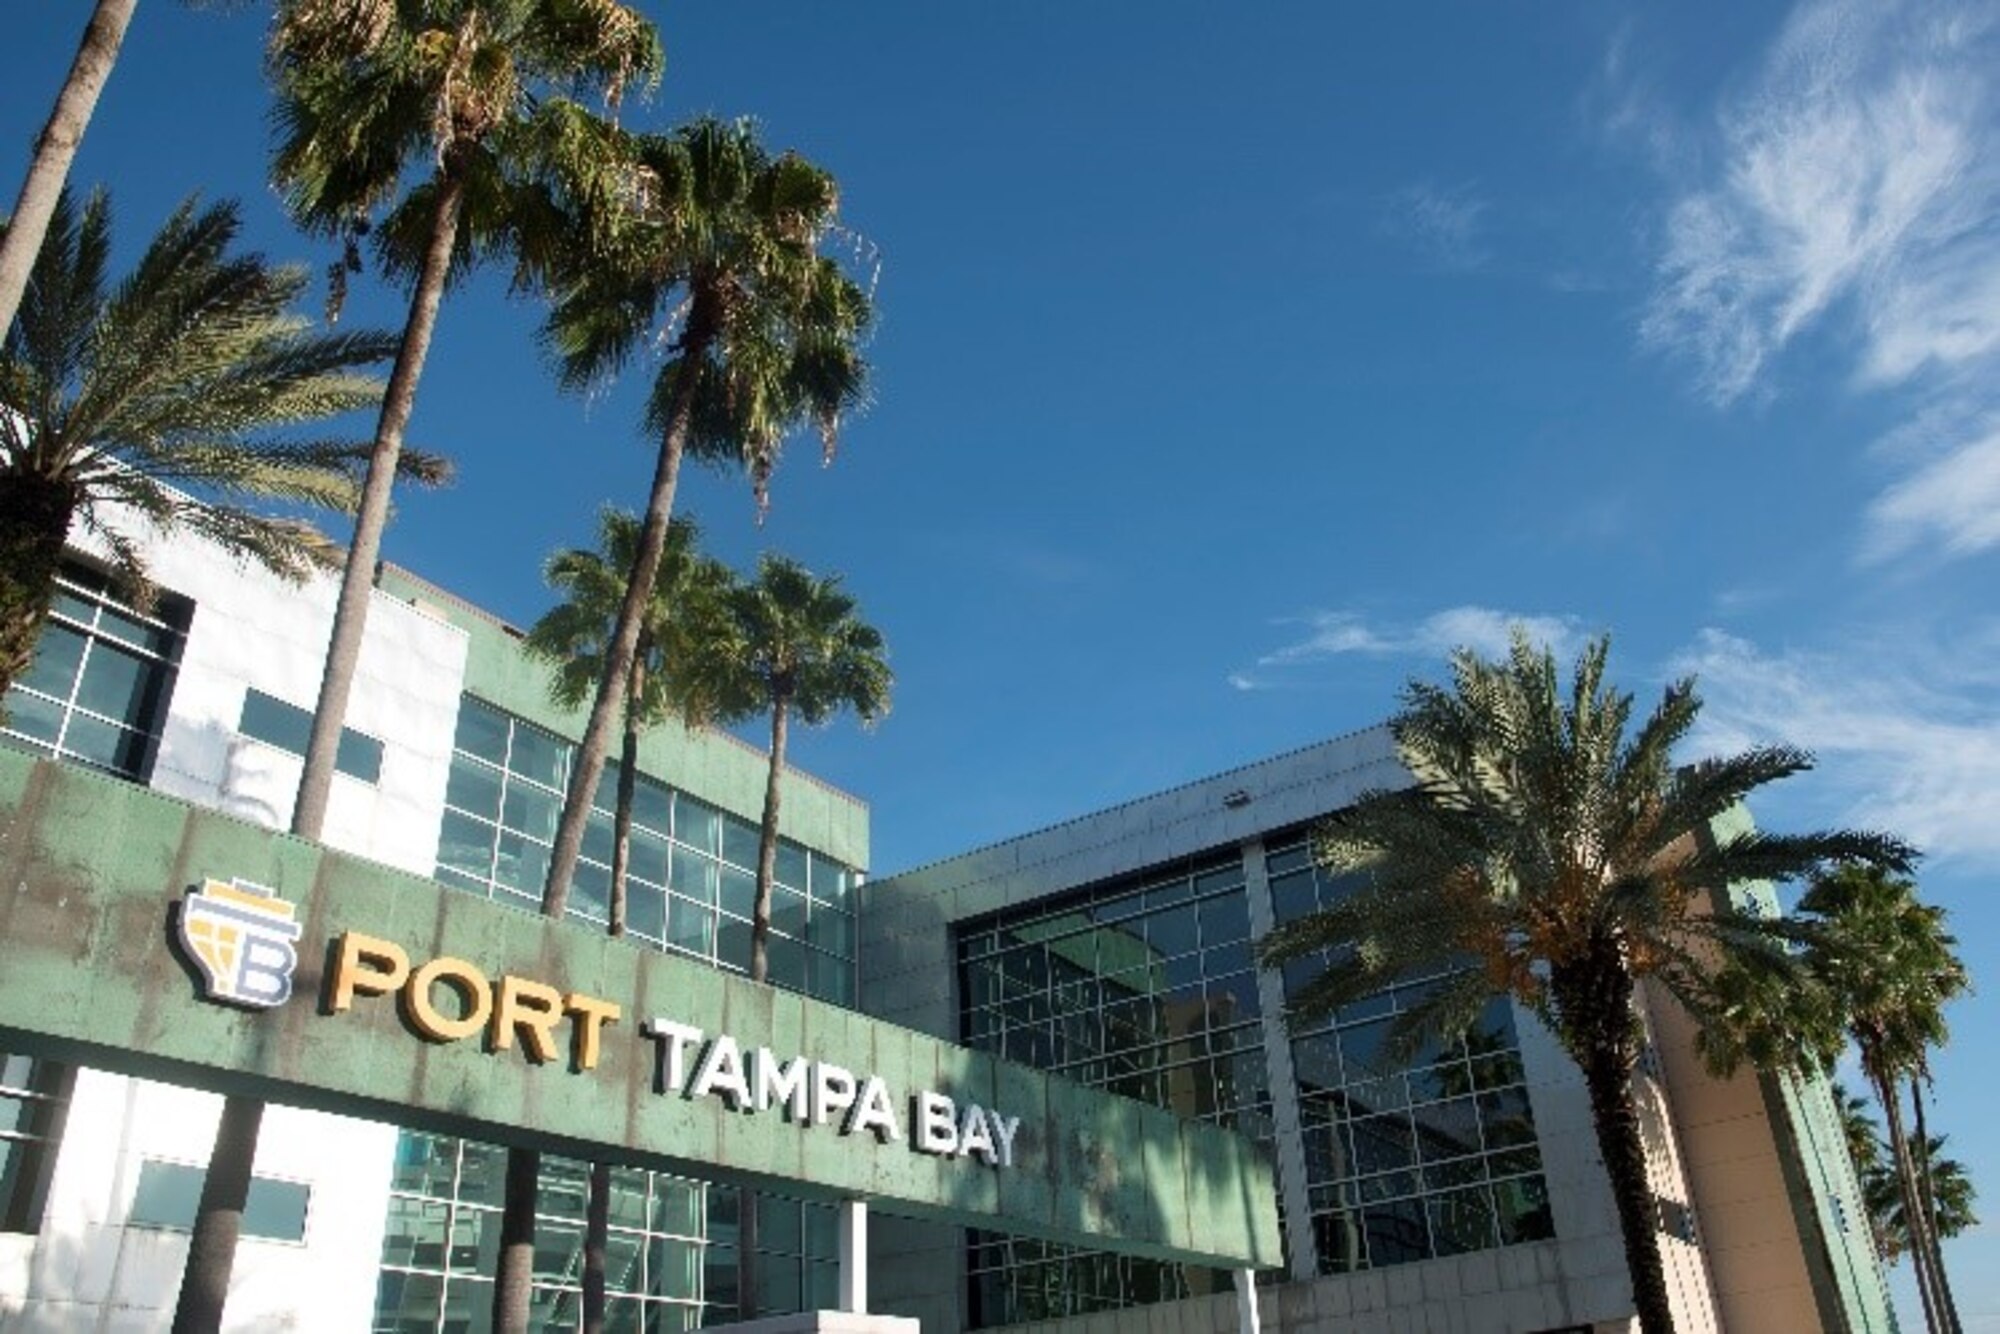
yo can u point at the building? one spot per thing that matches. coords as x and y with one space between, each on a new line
451 765
1461 1191
1115 950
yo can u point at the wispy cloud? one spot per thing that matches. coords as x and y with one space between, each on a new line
1443 223
1853 187
1333 634
1908 740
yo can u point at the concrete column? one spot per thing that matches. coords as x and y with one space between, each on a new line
854 1256
1285 1117
1246 1301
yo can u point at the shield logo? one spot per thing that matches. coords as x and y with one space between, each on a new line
240 936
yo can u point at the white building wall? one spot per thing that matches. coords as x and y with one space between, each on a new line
90 1267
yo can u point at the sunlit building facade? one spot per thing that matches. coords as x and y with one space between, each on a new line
1455 1190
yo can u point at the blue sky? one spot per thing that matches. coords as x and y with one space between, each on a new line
1238 362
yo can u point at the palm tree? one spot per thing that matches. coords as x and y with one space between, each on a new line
55 148
370 90
113 394
1882 1191
1544 853
573 635
718 254
1892 967
792 647
367 91
713 248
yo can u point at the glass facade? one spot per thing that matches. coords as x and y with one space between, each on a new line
98 690
693 874
1405 1160
1146 987
672 1260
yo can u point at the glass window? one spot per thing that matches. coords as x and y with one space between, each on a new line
289 728
33 1097
169 1194
97 689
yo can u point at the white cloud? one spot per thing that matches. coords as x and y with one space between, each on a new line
1854 188
1333 634
1907 734
1443 222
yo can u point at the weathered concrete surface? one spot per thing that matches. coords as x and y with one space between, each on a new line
92 870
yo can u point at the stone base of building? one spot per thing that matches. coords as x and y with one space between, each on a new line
826 1322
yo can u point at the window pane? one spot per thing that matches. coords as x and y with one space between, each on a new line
117 684
106 744
531 810
791 865
34 717
739 892
645 910
539 756
275 722
696 823
465 844
358 756
482 730
57 655
168 1194
691 927
474 787
739 842
694 875
276 1210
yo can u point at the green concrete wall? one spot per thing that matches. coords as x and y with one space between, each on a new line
703 762
92 871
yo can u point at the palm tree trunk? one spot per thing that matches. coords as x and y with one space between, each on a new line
596 1236
510 1316
628 787
219 1219
1927 1190
357 580
619 654
214 1241
1594 998
514 1273
1899 1152
767 849
56 147
34 519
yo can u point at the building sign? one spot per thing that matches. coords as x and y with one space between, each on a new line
447 1000
240 936
329 982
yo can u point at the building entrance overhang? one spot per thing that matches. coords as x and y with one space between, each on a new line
149 937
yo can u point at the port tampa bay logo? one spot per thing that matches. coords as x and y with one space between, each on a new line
240 936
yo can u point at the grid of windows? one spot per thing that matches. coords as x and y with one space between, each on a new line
98 689
1145 987
1406 1159
670 1264
692 878
33 1096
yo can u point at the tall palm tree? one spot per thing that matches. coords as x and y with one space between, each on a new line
1951 1210
1544 853
1892 968
372 92
115 393
369 93
790 646
573 635
712 248
55 149
717 255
